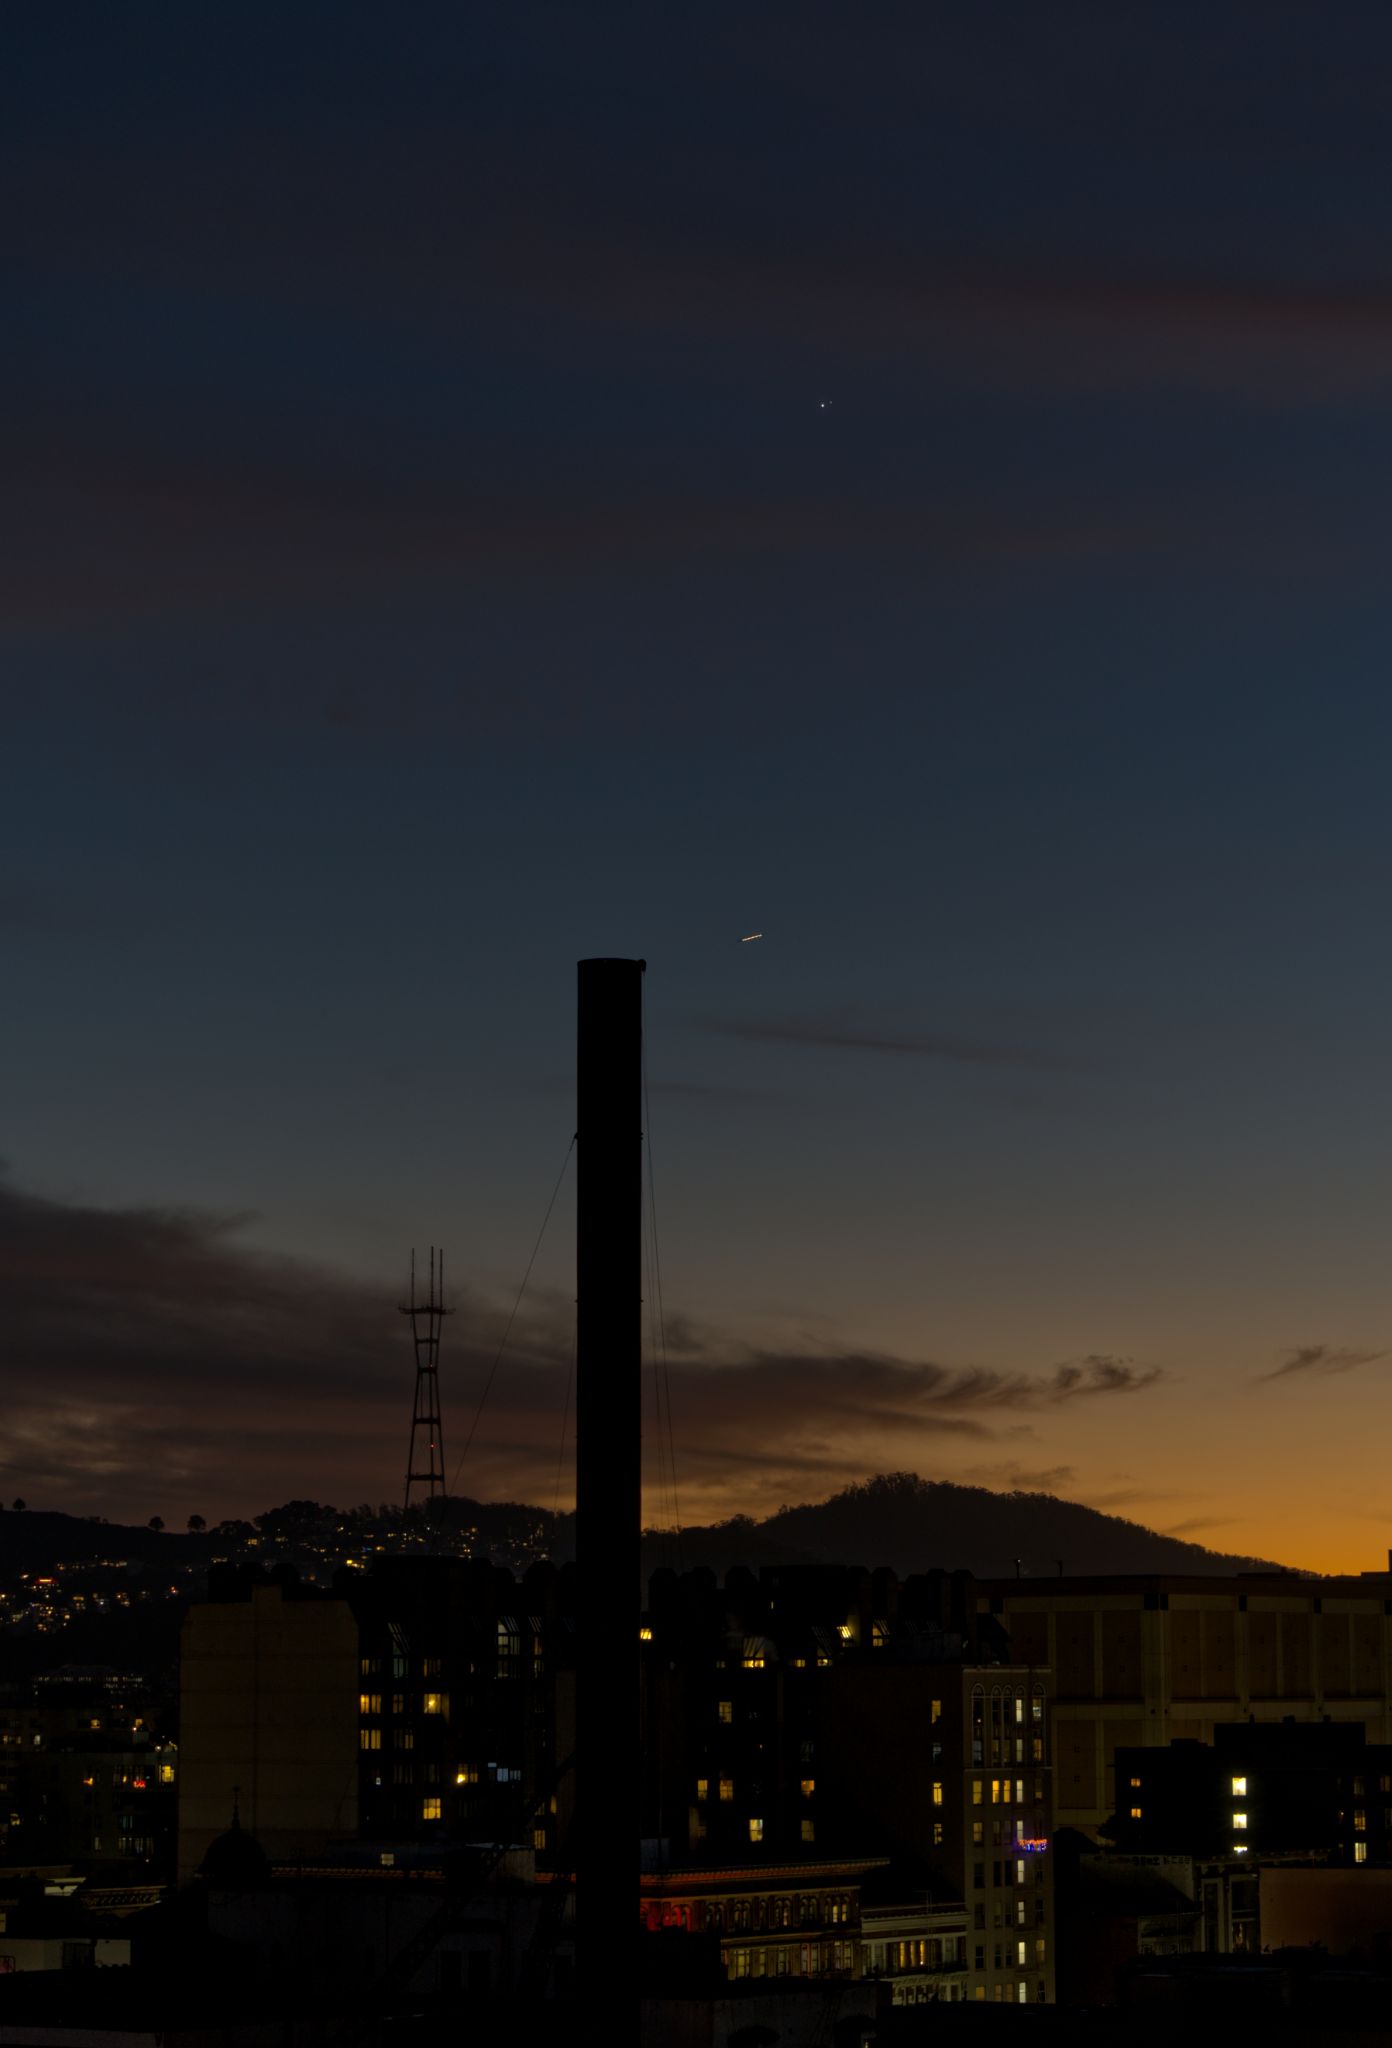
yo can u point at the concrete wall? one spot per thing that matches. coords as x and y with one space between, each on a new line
1141 1663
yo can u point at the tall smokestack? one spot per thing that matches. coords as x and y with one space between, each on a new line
608 1272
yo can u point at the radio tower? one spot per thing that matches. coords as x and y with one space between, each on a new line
425 1415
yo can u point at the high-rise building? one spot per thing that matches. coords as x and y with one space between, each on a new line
268 1723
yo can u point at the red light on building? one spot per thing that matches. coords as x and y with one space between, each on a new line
658 1914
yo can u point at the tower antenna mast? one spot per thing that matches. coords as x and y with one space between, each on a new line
425 1463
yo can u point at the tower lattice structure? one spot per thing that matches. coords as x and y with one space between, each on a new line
428 1470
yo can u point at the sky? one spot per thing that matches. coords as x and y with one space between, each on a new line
485 487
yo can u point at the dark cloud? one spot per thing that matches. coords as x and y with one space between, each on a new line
851 1032
1321 1360
154 1362
1100 1373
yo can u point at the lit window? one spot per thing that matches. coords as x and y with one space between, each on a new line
1022 1955
727 1788
938 1833
809 1831
1239 1848
1019 1870
538 1838
976 1792
1136 1784
645 1635
808 1786
978 1833
435 1703
369 1738
467 1774
756 1830
703 1788
166 1774
725 1711
1360 1852
1360 1821
937 1793
1239 1788
935 1712
753 1663
369 1703
1136 1813
1239 1820
845 1631
431 1809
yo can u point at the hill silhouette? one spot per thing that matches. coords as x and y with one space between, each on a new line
39 1539
913 1524
895 1519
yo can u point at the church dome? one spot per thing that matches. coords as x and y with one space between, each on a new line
235 1862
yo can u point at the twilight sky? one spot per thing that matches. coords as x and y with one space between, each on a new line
484 486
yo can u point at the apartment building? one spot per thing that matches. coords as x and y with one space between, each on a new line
814 1712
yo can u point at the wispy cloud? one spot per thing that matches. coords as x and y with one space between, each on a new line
1102 1373
1007 323
1197 1524
115 531
1009 1477
1321 1360
849 1031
